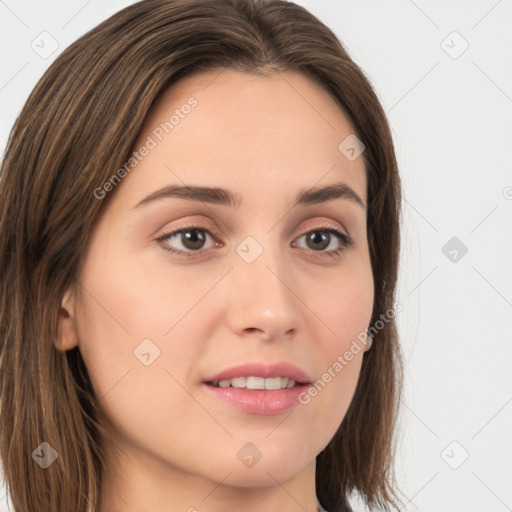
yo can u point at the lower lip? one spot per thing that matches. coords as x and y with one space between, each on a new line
260 401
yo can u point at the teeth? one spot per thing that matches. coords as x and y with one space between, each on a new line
255 383
271 383
238 383
275 383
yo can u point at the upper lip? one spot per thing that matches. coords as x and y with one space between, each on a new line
265 370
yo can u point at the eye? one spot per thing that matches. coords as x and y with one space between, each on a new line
321 238
192 238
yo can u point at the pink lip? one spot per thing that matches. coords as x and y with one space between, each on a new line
281 369
260 401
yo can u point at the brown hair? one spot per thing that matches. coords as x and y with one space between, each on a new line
79 125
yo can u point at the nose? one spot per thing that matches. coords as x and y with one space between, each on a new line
263 298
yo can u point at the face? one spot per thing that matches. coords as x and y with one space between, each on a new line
177 289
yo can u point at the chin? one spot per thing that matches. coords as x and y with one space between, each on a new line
263 466
263 475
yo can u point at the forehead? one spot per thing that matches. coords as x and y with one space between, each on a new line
246 132
240 101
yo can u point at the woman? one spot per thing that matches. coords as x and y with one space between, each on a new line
173 336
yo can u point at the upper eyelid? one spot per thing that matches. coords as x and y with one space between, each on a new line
179 228
213 231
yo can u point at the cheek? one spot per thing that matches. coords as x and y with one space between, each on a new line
130 308
344 305
124 316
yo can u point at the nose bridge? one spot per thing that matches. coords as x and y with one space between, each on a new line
260 296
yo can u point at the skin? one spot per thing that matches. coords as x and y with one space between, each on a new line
173 447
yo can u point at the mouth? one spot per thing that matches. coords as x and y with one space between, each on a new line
252 382
258 388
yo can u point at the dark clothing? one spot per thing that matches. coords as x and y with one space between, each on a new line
344 507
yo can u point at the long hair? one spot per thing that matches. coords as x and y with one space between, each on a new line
77 127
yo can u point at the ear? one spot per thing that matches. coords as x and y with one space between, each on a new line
68 334
369 341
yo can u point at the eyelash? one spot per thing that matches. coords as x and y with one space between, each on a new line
345 240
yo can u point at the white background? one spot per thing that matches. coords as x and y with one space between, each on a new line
452 124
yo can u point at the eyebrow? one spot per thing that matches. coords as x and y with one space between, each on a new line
221 196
